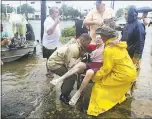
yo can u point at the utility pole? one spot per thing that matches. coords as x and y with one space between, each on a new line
112 4
43 17
20 6
6 8
26 14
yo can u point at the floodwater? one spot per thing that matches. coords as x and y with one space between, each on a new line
27 93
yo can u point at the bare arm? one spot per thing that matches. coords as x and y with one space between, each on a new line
51 29
88 22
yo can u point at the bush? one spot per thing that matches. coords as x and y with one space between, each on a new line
64 40
67 32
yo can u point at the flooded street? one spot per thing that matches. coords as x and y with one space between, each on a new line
27 93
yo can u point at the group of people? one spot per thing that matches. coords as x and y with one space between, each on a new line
113 62
3 36
8 42
21 29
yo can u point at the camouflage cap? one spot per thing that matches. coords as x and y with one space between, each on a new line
106 31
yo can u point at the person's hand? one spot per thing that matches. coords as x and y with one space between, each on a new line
57 20
112 43
136 58
73 62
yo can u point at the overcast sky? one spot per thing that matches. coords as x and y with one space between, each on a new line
83 4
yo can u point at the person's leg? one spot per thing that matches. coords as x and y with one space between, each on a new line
49 52
85 81
61 71
45 55
67 85
77 68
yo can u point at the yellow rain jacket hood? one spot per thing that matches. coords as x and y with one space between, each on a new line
112 80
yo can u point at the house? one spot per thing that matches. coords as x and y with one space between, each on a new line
37 14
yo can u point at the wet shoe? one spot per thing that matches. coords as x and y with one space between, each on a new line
49 75
64 99
75 98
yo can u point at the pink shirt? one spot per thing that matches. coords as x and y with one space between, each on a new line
94 15
96 55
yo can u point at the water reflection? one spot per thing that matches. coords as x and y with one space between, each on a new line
14 73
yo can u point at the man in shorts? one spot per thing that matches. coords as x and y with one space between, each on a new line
51 35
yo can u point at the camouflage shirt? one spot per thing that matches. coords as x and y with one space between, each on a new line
67 55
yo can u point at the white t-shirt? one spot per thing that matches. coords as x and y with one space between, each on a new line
51 41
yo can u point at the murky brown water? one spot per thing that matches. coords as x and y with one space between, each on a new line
52 108
13 74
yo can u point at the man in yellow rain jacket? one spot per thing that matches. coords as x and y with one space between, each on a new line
114 78
18 23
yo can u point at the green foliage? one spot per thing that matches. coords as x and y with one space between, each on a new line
9 9
69 32
64 10
64 40
120 13
69 11
24 8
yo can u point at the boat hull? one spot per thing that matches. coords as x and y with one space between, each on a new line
14 54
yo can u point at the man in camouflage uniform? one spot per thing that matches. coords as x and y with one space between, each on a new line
64 58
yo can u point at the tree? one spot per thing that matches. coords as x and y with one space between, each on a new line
64 10
75 13
120 13
69 11
9 9
24 8
127 8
